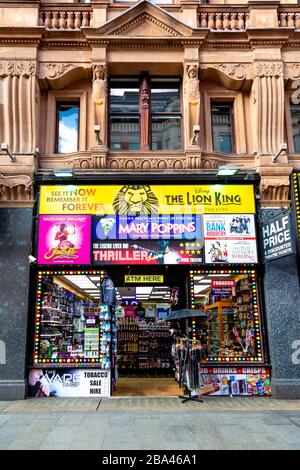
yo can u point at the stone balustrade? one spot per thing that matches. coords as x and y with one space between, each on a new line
66 19
288 18
237 20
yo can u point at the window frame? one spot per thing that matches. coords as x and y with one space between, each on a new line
58 104
229 103
145 114
69 96
239 144
288 123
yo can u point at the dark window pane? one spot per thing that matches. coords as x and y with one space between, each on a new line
124 133
68 125
166 133
165 96
221 127
124 95
295 111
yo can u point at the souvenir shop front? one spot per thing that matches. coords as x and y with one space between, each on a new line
147 290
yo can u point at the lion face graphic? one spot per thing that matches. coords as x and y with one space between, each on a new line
135 199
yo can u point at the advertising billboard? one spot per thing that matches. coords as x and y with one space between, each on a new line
64 239
230 238
146 199
145 239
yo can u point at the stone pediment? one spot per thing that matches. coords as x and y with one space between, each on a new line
145 20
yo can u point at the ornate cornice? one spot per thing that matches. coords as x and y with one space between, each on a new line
18 68
268 69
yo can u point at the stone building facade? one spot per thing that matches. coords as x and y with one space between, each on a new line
245 54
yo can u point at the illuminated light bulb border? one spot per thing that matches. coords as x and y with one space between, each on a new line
36 347
297 199
257 322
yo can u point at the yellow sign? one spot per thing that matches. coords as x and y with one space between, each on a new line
143 278
146 199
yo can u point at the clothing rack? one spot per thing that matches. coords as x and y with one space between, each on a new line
191 354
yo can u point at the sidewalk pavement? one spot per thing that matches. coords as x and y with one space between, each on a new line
150 424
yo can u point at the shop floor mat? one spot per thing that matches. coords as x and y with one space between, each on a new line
54 404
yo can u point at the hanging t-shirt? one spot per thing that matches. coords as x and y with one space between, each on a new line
150 311
129 311
140 311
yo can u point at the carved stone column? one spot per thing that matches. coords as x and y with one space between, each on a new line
18 114
191 105
99 97
268 107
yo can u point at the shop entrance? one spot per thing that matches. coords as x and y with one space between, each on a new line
145 298
145 364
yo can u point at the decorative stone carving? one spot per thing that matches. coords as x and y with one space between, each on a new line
192 103
99 97
236 71
149 163
145 17
18 68
79 163
292 71
274 192
16 190
58 70
268 69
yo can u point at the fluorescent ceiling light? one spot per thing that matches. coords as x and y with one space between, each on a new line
143 290
227 170
200 288
219 275
81 281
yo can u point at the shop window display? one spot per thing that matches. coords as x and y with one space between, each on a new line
71 325
233 323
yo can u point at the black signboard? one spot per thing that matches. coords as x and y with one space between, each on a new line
278 236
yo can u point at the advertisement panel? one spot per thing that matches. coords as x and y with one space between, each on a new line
146 199
169 239
64 239
230 238
239 381
278 236
69 383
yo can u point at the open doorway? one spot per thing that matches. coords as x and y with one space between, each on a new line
144 356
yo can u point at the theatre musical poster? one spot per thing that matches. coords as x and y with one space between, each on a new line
230 238
155 239
64 239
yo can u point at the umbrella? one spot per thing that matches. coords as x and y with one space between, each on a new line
185 313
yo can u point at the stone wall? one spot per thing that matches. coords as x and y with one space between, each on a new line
15 242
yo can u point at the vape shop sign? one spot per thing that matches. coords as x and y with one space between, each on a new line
69 383
278 240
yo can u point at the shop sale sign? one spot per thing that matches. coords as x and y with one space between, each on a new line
230 238
64 239
69 383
